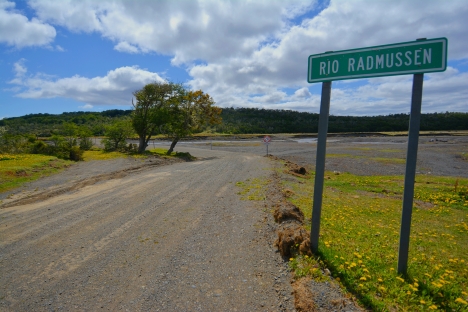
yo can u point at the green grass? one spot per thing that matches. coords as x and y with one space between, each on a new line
360 234
102 155
163 153
384 160
16 170
254 189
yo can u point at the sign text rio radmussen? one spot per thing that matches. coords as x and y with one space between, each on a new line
386 60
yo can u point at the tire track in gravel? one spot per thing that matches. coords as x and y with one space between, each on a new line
174 238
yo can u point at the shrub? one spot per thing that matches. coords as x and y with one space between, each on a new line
86 143
76 153
40 147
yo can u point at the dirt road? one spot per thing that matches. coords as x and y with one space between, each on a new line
169 238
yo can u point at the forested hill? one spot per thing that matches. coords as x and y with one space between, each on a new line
247 120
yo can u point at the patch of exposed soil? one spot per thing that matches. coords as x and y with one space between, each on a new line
77 177
303 296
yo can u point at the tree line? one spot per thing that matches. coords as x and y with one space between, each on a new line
254 120
241 121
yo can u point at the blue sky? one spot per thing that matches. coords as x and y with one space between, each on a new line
63 56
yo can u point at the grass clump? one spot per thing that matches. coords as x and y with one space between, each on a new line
254 189
98 154
16 169
303 265
161 152
359 239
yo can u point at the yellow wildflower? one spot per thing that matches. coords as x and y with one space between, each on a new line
433 307
422 302
363 279
400 279
460 300
380 280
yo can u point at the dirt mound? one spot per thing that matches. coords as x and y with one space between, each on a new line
291 167
303 297
292 239
294 168
287 212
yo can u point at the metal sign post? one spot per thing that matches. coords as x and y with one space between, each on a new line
416 57
320 164
411 157
266 141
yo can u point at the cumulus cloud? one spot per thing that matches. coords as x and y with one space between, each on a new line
341 25
126 47
188 30
86 106
18 31
115 88
246 53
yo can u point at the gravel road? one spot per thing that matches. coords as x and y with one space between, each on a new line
153 235
166 238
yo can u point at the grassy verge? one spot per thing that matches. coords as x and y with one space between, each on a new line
161 152
102 155
360 234
16 170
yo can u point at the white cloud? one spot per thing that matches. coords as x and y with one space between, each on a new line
18 31
302 93
19 68
113 89
126 47
246 53
187 30
86 106
342 25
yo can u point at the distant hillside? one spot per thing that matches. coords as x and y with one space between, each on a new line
247 120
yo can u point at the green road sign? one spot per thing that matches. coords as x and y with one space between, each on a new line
415 57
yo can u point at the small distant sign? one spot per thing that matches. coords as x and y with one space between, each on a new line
266 139
415 57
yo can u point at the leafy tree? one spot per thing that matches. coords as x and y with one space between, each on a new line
85 138
13 144
152 109
117 134
70 132
190 114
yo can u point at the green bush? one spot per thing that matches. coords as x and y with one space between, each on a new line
40 147
76 153
86 143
